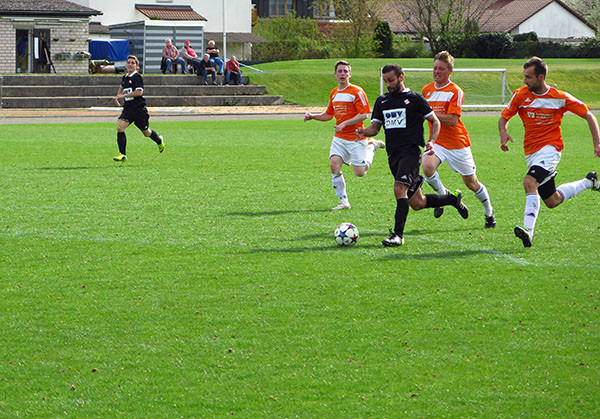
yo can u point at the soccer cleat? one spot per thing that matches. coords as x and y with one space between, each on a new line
490 222
438 211
341 206
462 209
377 143
393 241
120 157
595 182
523 234
161 146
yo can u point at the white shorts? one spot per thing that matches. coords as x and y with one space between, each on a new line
546 157
350 151
459 160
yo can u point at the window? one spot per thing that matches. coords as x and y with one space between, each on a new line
323 9
281 7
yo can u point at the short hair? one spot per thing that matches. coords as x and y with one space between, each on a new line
211 41
342 62
392 67
207 55
539 66
134 58
445 57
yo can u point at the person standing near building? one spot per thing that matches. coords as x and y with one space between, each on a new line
349 105
401 112
134 109
541 109
453 144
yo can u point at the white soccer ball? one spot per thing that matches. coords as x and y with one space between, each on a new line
346 234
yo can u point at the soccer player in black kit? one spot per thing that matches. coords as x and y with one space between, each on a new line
134 109
402 112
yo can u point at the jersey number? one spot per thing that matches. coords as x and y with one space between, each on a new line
395 118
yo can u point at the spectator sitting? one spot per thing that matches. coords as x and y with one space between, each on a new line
213 51
188 53
205 68
171 54
232 68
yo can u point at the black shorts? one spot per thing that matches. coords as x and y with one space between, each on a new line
137 116
404 165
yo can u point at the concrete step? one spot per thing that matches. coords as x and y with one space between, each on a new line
149 90
155 101
103 80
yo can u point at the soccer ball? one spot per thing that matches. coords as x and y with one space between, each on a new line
346 234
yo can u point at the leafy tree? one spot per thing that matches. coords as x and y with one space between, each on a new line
357 36
383 35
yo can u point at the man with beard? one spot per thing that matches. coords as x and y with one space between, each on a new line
541 109
401 112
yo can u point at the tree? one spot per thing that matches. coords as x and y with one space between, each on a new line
383 35
358 34
590 9
447 24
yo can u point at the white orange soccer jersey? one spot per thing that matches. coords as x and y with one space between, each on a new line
448 99
346 104
542 115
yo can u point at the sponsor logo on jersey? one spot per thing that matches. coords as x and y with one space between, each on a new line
395 118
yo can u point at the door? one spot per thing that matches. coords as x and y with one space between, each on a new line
42 57
23 52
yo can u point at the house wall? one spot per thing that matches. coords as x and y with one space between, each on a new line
67 35
555 22
238 12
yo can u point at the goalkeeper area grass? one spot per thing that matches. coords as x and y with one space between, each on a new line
205 281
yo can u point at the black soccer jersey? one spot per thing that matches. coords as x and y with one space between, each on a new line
402 117
131 83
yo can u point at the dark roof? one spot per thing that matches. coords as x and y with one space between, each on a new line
44 8
501 16
161 12
234 37
98 28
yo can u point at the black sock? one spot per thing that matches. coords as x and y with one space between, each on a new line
400 216
434 201
155 138
122 142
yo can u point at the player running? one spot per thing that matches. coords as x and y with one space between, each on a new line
453 144
134 108
349 105
401 113
541 109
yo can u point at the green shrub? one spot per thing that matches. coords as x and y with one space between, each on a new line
493 45
528 36
404 47
383 35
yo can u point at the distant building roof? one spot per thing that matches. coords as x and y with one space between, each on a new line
162 12
44 8
98 28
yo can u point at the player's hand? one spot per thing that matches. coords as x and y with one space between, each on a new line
429 148
117 101
359 132
504 139
339 128
307 116
597 150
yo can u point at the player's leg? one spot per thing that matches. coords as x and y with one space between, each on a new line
481 193
338 155
572 189
400 215
431 162
419 201
122 124
359 156
532 208
142 122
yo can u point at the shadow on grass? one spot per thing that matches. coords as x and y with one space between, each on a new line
72 168
273 212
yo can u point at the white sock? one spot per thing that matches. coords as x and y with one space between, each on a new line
484 198
532 209
369 154
572 189
436 183
339 185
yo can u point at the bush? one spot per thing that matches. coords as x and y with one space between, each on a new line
383 35
528 36
404 47
493 45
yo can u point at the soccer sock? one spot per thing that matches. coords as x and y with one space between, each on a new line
484 198
434 201
532 208
436 183
339 185
155 138
400 216
571 189
369 154
122 142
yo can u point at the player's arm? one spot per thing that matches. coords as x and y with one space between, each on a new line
370 131
433 132
323 116
119 95
447 118
593 124
504 137
355 120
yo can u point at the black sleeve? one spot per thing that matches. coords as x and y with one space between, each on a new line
377 113
424 105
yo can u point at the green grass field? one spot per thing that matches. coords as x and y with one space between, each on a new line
308 82
205 282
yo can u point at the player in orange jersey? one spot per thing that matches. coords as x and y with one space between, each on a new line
541 109
349 105
453 144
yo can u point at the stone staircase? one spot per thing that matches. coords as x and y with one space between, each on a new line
85 91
